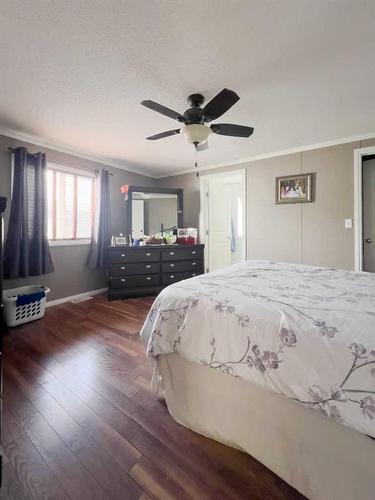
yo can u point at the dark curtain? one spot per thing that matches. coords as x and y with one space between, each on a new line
102 222
26 250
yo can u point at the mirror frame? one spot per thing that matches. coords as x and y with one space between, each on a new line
145 189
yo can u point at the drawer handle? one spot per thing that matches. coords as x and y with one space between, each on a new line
171 276
193 263
171 265
122 268
123 280
122 255
148 278
148 266
171 253
148 254
193 252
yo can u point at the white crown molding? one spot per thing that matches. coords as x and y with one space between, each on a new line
56 302
62 148
300 149
56 146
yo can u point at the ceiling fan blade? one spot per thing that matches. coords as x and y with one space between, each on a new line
163 134
163 110
202 146
230 129
219 104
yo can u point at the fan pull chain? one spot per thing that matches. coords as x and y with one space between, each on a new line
196 159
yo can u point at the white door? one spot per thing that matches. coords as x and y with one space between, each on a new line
224 219
368 176
138 214
219 219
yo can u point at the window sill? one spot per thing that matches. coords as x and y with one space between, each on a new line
67 243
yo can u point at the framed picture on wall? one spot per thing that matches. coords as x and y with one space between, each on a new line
294 189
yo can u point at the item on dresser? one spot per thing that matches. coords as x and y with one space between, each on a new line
146 270
170 238
120 240
187 236
154 240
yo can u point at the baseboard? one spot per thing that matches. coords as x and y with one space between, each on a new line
51 303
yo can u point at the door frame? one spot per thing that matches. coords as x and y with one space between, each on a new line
358 205
203 219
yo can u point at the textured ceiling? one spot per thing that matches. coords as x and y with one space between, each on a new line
73 73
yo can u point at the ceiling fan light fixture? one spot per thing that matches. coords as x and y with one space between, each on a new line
196 133
195 130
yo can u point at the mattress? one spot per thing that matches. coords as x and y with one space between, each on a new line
304 332
321 459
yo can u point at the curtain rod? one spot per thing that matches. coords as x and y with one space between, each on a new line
12 150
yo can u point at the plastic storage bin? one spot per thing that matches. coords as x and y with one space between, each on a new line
18 314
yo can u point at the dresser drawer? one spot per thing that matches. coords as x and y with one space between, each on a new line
134 268
134 281
195 266
182 254
169 278
138 255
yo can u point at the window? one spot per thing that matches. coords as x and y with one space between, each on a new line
70 203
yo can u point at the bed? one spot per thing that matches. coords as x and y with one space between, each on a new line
278 360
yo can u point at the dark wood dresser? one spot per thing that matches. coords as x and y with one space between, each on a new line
146 270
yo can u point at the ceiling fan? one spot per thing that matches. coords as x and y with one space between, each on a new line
195 118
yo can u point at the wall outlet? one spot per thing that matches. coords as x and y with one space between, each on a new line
348 223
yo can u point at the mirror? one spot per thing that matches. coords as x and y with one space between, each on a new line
153 210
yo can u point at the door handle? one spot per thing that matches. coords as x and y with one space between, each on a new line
368 240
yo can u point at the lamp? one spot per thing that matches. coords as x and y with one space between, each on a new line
196 133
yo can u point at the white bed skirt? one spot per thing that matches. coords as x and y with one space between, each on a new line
320 458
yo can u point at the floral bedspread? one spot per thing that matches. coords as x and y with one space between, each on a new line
305 332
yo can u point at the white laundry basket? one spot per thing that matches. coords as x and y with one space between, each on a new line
17 315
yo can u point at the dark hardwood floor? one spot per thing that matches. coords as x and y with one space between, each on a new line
80 421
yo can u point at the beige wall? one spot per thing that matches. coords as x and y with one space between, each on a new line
273 231
311 233
325 241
